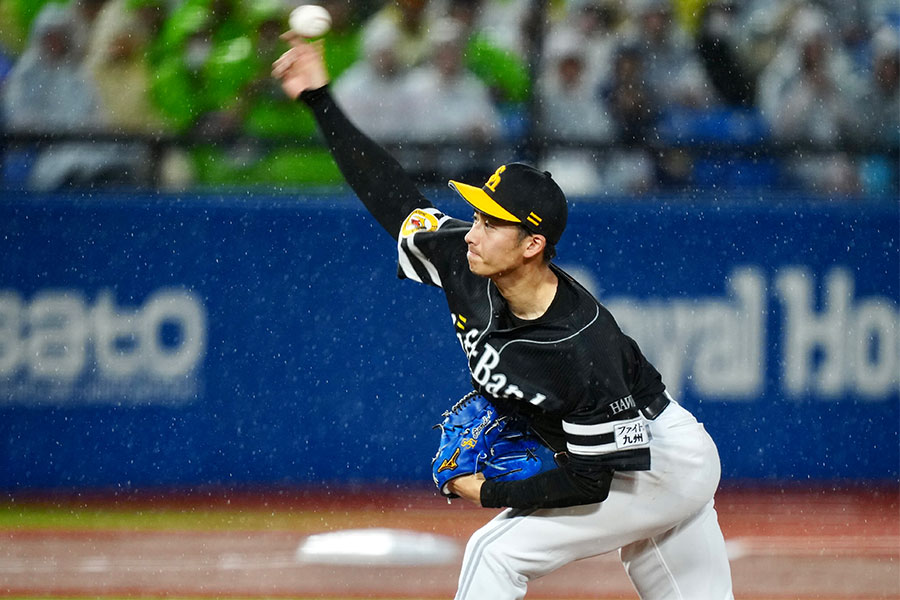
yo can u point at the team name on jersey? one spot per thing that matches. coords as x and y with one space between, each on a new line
483 363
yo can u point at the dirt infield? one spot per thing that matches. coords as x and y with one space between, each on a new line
798 544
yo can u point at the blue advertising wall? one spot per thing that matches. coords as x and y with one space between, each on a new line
265 340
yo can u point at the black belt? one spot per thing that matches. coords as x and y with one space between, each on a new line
655 406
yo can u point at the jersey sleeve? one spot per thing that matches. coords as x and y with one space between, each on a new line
556 488
604 428
430 246
378 180
595 442
596 447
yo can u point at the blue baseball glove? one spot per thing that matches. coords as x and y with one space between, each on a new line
475 439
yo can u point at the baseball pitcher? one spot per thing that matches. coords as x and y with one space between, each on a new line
568 428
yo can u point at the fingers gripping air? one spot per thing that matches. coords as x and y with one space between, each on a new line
475 439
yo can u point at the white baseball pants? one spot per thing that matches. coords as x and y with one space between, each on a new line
662 521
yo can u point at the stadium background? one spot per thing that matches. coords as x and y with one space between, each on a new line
234 360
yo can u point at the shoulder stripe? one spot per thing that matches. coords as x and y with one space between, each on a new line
406 250
412 261
598 450
406 266
606 438
597 429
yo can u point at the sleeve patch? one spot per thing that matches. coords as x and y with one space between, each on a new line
631 434
418 220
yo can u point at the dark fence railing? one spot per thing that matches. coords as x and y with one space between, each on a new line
434 162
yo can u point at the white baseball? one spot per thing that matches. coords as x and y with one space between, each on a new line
310 20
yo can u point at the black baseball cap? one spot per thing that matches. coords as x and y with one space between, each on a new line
521 194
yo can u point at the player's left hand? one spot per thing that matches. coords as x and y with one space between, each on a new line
468 487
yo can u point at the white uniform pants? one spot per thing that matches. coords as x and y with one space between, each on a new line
662 521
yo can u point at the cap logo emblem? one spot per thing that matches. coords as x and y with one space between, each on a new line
494 180
534 219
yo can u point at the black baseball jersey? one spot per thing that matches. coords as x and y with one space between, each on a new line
572 373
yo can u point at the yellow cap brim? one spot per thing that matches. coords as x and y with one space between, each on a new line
479 199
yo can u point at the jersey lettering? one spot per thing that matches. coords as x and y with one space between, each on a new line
489 359
468 342
622 405
496 384
483 370
513 391
538 398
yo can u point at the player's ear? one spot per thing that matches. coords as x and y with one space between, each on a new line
534 245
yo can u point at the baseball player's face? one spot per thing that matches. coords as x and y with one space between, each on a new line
495 247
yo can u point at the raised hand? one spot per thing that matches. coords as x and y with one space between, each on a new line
302 67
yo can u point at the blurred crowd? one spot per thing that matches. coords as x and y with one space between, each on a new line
612 96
